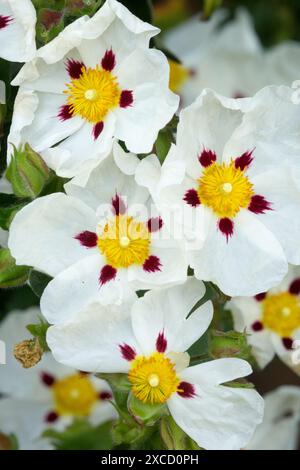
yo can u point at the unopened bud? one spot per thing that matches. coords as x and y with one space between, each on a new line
27 172
28 352
229 344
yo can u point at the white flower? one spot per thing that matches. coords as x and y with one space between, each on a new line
272 321
101 241
228 58
5 188
48 395
96 80
149 345
280 427
17 30
232 182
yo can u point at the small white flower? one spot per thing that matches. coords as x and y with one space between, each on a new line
149 344
272 320
98 79
280 427
17 30
229 59
102 240
232 182
48 395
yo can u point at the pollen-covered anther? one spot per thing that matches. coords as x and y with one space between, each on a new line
153 378
281 313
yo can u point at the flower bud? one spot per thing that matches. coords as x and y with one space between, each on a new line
11 275
27 172
28 352
229 344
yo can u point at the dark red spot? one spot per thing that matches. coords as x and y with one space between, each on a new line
126 98
5 20
152 264
119 206
161 343
87 239
295 287
74 68
155 224
105 396
186 390
51 417
226 226
261 296
238 94
108 273
97 129
207 157
259 205
65 112
244 160
109 60
191 197
257 326
47 379
288 343
127 352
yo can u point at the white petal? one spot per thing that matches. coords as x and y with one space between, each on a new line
217 372
218 418
24 419
81 152
165 311
250 262
153 103
42 233
281 189
92 342
102 185
78 286
17 39
280 427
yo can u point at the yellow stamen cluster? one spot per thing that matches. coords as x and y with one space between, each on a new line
178 76
74 395
93 94
281 313
124 242
225 189
153 378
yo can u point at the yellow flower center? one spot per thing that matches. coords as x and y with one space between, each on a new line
124 241
153 378
74 395
225 189
281 313
178 75
93 94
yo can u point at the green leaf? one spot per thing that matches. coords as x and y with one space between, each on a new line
81 435
39 331
38 282
11 275
9 206
163 143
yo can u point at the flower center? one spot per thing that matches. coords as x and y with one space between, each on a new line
74 395
153 378
225 189
93 94
281 313
178 75
124 241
